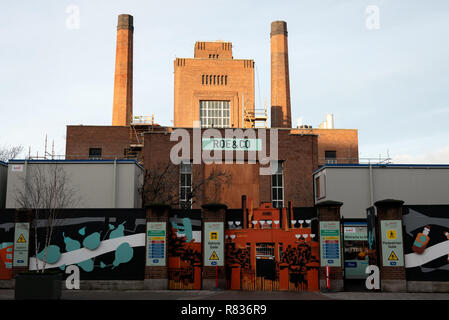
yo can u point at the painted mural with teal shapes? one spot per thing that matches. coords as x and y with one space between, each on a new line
104 247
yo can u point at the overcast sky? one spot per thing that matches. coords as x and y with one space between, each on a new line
381 67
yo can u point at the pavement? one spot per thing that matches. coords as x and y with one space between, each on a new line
7 294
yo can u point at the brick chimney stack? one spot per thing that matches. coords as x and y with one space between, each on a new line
122 111
280 80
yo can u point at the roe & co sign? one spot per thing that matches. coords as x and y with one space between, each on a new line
232 144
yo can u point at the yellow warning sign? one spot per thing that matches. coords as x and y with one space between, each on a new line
213 256
213 235
391 234
21 239
393 256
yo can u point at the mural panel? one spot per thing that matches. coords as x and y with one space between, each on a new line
276 250
6 243
426 242
184 249
106 244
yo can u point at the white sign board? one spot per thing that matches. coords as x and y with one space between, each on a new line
156 243
213 244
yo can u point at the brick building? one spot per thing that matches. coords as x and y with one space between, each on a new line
214 90
297 156
213 83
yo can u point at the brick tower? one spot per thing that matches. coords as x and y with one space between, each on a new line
280 80
213 87
123 84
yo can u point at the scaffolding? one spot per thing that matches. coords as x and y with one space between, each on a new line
257 118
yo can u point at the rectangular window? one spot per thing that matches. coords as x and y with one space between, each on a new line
277 187
214 114
265 250
330 156
94 153
185 185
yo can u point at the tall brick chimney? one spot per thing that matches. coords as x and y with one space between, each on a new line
280 81
122 111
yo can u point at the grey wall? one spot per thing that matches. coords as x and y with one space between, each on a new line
413 185
96 184
3 181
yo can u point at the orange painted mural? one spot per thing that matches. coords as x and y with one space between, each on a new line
272 249
184 250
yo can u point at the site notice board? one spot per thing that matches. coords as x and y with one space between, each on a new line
330 243
392 247
156 245
213 244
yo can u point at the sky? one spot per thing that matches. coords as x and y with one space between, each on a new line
379 66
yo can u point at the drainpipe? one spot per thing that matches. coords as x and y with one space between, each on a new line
114 183
371 184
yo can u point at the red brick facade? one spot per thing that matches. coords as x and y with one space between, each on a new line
299 154
343 141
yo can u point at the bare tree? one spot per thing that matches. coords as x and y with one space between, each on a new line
46 190
161 185
8 152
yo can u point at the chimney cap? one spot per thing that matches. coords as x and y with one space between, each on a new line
278 27
125 21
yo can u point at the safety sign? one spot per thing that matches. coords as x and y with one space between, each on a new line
393 256
214 244
156 245
21 237
330 243
392 248
214 256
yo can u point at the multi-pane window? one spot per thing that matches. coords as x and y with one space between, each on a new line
265 249
277 187
185 185
94 153
330 156
215 114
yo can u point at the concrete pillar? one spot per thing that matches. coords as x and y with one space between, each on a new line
22 250
156 270
330 240
391 246
213 275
